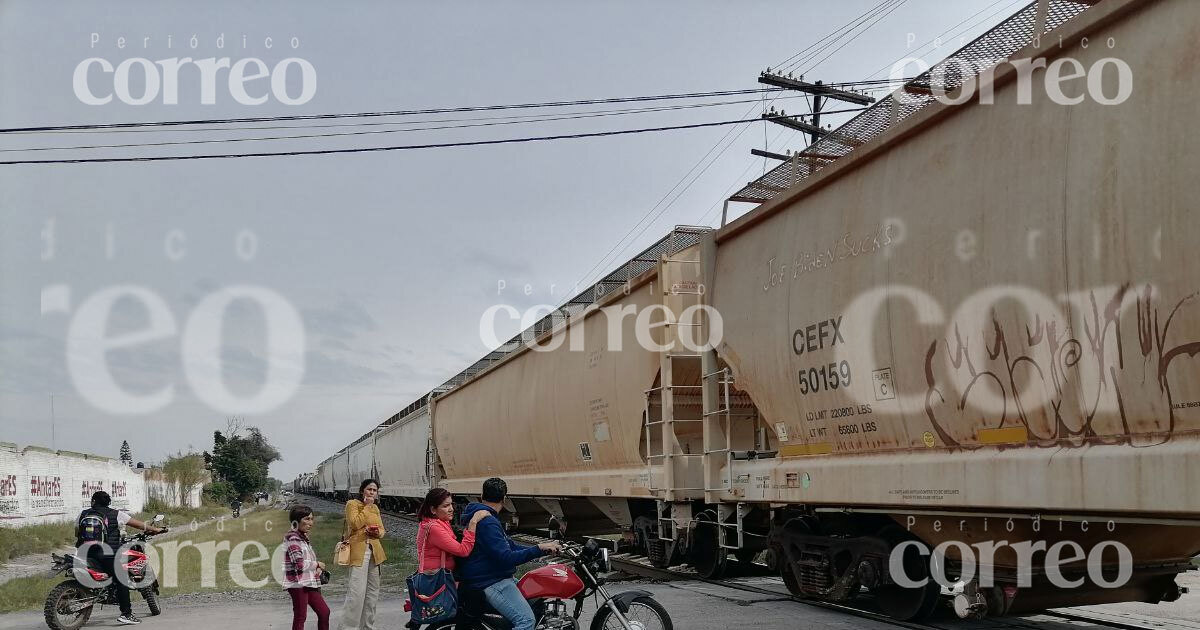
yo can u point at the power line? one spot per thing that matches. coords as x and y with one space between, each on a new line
868 27
411 112
789 63
873 14
439 145
836 34
385 131
868 84
604 259
943 34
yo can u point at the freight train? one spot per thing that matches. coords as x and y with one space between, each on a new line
969 327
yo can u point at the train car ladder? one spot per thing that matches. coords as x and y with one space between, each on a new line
677 480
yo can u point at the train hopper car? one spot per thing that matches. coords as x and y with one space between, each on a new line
980 326
339 468
402 447
361 461
563 419
324 479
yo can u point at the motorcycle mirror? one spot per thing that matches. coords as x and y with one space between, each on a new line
158 518
555 530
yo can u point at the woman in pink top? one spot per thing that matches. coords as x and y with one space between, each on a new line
435 537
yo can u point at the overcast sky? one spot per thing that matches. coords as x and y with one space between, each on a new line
389 258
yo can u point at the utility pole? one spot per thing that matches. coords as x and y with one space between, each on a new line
821 93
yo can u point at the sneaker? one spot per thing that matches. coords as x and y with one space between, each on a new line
128 620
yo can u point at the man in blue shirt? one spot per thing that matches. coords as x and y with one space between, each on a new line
491 565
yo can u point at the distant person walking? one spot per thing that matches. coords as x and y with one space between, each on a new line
364 529
302 571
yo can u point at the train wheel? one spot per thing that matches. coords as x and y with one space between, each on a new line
908 604
801 527
708 557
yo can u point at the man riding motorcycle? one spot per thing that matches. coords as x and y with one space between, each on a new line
494 560
98 537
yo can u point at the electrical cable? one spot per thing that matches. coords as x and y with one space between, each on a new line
375 132
437 145
445 110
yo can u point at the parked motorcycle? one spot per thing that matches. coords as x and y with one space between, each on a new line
69 605
549 588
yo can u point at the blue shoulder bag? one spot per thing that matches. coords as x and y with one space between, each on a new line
433 594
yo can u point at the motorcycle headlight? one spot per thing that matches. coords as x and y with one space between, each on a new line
602 561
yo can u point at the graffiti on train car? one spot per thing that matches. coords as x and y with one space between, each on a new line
1054 381
843 248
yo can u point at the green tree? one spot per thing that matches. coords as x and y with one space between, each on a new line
242 462
126 454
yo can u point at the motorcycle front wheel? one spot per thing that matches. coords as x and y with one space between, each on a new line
645 613
60 606
151 600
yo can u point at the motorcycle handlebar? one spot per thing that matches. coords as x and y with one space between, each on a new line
145 535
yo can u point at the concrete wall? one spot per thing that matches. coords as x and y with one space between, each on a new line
38 485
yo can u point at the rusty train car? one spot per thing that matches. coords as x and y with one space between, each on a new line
976 329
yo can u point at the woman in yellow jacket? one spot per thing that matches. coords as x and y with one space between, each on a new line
365 529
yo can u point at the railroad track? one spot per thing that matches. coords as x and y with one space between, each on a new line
769 585
773 586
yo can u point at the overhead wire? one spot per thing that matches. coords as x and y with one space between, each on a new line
947 31
891 9
790 62
373 132
839 33
435 145
376 114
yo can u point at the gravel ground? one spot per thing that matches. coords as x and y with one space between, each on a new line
692 606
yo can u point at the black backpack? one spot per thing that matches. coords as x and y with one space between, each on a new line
91 527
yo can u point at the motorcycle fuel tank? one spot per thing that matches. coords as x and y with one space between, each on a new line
553 580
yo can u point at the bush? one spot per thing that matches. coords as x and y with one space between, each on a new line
219 493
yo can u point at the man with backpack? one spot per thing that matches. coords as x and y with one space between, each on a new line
99 530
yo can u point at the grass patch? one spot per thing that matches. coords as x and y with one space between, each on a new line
266 527
179 517
31 539
28 539
401 558
254 527
26 592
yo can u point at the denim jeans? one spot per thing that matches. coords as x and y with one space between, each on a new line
508 601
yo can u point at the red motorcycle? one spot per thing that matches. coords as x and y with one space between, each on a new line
69 605
549 588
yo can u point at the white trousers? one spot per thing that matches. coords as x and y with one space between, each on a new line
358 613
